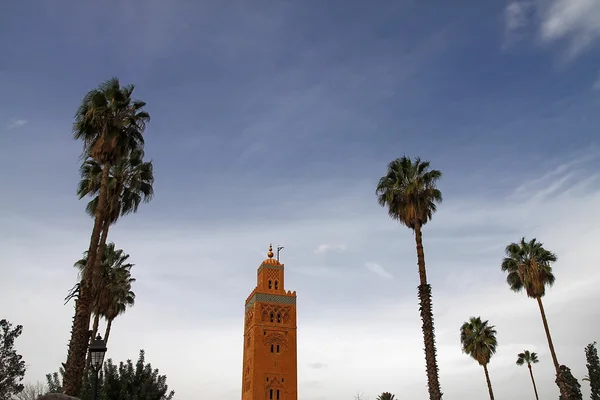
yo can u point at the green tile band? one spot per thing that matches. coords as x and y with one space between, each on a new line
270 298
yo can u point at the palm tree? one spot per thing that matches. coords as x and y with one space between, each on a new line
478 339
111 292
130 183
409 191
529 358
118 299
110 123
528 266
386 396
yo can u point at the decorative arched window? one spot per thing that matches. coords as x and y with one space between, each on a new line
278 318
271 317
277 394
276 285
278 348
271 348
271 394
270 284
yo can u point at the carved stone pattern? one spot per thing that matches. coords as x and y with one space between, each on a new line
275 338
272 274
249 318
284 313
274 382
247 377
264 266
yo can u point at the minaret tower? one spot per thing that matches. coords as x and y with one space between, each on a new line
270 366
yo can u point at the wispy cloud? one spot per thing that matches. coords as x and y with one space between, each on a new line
563 177
317 365
577 22
17 123
377 269
517 19
320 100
324 248
345 324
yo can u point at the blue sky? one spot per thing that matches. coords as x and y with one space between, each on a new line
272 122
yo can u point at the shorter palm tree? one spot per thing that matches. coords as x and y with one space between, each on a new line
529 358
118 298
386 396
478 339
112 293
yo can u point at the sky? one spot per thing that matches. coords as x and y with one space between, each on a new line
272 122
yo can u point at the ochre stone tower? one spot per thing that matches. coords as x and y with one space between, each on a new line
270 370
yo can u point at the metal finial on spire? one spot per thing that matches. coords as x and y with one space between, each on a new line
270 253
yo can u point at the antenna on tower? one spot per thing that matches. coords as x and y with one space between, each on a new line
278 250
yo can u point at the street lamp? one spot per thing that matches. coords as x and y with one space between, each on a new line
97 351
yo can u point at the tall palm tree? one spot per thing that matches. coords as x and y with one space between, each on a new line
528 358
528 266
110 124
130 184
386 396
409 191
478 339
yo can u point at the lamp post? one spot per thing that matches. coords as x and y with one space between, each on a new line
97 351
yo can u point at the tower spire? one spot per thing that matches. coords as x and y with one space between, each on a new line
270 253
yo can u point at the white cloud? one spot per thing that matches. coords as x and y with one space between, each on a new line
193 281
578 21
378 270
17 123
575 21
324 248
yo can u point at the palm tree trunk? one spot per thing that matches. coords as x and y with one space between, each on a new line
533 381
424 290
563 390
547 329
107 332
420 255
101 249
96 323
489 383
75 364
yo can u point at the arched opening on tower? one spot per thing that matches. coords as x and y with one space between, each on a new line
276 285
270 284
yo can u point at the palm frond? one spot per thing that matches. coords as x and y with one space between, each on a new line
528 266
478 339
409 191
